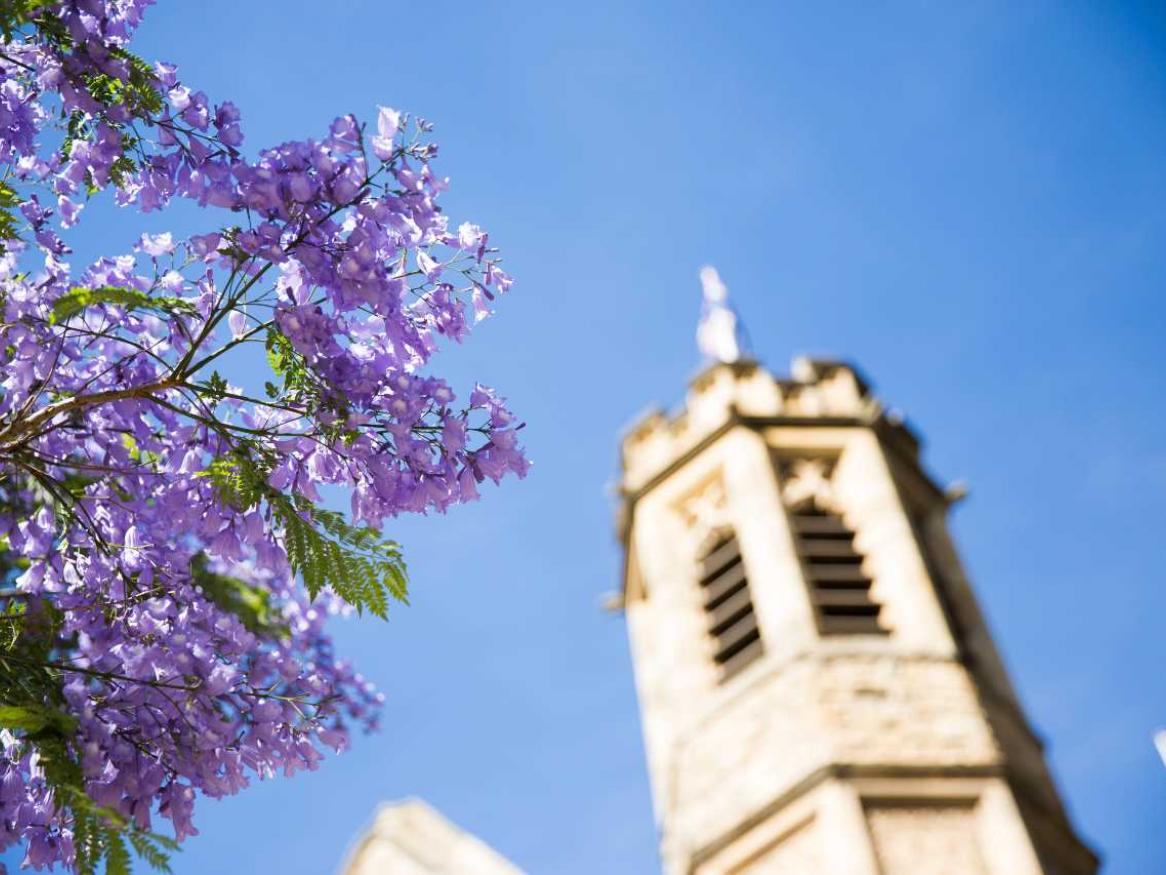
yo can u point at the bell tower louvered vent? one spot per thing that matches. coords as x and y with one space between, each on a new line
838 587
728 606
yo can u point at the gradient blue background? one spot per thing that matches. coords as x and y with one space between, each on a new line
970 202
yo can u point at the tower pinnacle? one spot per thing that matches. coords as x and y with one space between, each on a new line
719 334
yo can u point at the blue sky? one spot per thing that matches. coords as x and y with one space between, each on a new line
968 201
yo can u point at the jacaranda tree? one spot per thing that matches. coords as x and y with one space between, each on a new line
166 565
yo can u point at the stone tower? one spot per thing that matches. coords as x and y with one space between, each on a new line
411 838
818 688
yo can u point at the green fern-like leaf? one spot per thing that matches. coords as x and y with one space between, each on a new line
79 298
251 604
322 547
141 89
354 561
298 380
236 480
9 201
146 846
117 855
33 718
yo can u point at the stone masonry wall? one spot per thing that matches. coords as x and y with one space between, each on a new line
818 709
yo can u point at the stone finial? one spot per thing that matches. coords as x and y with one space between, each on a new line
719 334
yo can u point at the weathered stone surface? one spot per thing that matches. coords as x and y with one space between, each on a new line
926 840
410 838
920 704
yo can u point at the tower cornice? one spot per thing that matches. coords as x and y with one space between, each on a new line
820 392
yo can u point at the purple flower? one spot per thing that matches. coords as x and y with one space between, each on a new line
388 123
176 588
69 211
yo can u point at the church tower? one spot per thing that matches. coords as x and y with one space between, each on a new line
818 688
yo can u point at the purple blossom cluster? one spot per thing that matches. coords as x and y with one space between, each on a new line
152 514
